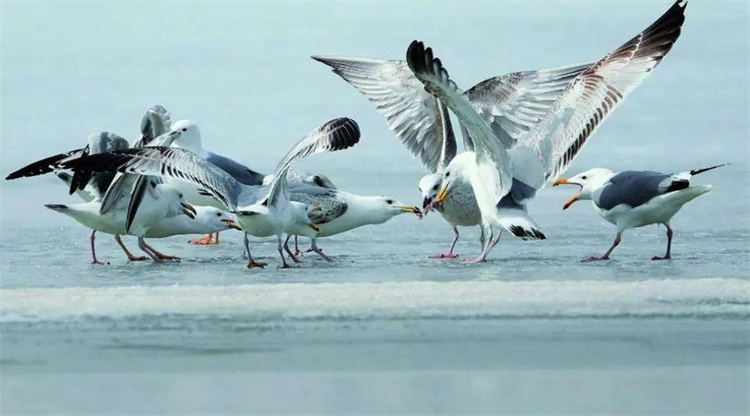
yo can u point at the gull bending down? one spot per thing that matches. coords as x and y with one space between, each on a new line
341 211
634 199
506 171
261 211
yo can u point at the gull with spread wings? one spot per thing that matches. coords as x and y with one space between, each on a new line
512 103
506 171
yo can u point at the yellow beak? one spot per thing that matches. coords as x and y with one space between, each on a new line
442 195
231 224
315 208
406 208
314 227
567 182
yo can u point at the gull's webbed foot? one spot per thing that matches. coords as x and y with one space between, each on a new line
205 241
594 258
256 264
661 258
472 261
445 256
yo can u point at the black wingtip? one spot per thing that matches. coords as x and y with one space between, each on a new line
415 56
344 133
697 171
57 207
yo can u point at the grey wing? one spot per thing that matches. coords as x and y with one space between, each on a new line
89 193
155 122
413 114
331 207
337 134
120 188
240 172
635 188
514 103
594 94
106 142
493 159
97 143
171 162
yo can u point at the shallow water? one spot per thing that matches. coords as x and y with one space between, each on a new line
383 329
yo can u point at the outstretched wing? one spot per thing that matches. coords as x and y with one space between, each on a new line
594 94
166 161
338 134
492 157
514 103
46 165
420 122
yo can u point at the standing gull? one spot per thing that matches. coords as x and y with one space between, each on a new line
634 199
92 187
260 210
512 103
505 171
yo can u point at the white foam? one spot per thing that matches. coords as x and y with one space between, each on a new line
418 300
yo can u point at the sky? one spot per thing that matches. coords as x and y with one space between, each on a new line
243 72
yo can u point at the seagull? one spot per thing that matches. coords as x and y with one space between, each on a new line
512 103
195 220
108 196
89 189
506 170
633 199
342 211
260 210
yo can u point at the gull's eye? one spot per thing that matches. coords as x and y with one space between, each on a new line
583 177
389 202
218 214
180 195
434 188
184 129
447 174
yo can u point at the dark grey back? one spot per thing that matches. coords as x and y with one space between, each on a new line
632 188
238 171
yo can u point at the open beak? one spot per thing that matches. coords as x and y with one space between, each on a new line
188 210
567 182
314 227
231 224
426 203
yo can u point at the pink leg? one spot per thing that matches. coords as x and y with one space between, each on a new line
606 255
667 256
489 246
450 254
288 251
93 250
